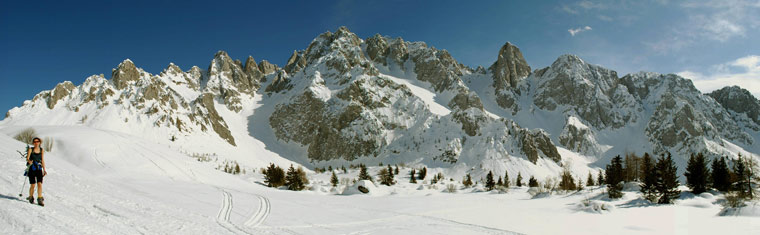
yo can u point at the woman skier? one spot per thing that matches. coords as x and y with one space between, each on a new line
35 159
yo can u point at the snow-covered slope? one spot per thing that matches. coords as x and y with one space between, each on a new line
345 100
107 182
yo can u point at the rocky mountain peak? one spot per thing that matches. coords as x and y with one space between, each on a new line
295 63
509 68
266 68
172 69
124 73
738 100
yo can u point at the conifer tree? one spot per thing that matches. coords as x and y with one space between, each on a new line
363 174
395 171
567 182
519 180
334 179
421 175
631 168
386 176
649 178
745 176
413 177
590 180
293 180
532 182
237 168
329 168
667 182
344 169
614 178
489 181
600 178
506 179
467 182
697 173
721 177
500 182
274 176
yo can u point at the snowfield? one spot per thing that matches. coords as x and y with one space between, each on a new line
106 182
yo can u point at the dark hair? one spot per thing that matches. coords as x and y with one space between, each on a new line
36 138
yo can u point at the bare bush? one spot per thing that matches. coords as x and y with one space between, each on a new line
733 200
26 136
48 144
451 188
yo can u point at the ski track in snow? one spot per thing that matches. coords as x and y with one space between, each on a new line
265 207
225 212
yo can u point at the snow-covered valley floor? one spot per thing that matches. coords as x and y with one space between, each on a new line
104 182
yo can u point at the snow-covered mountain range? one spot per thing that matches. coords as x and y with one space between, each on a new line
346 100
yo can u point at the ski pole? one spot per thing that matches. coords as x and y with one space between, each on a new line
20 194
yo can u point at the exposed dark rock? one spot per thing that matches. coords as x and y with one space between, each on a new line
125 73
509 67
59 92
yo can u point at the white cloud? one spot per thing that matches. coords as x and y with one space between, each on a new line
575 31
743 72
709 21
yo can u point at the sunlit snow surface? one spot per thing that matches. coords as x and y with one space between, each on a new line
104 182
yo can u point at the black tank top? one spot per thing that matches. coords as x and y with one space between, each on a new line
37 157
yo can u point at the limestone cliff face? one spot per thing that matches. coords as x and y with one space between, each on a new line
741 104
509 69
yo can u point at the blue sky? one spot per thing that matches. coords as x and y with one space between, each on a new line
42 43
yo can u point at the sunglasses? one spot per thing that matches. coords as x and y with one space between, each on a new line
36 141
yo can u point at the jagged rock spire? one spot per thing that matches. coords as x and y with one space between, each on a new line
124 73
509 67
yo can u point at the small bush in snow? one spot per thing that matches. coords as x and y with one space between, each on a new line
532 182
47 144
733 200
451 188
26 136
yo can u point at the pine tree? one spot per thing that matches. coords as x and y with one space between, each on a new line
519 180
363 174
489 181
329 168
293 180
590 180
649 178
615 178
532 182
344 169
631 168
667 182
506 179
334 179
697 173
600 178
745 176
412 177
395 171
467 182
274 176
500 182
386 176
567 182
421 175
721 178
237 168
